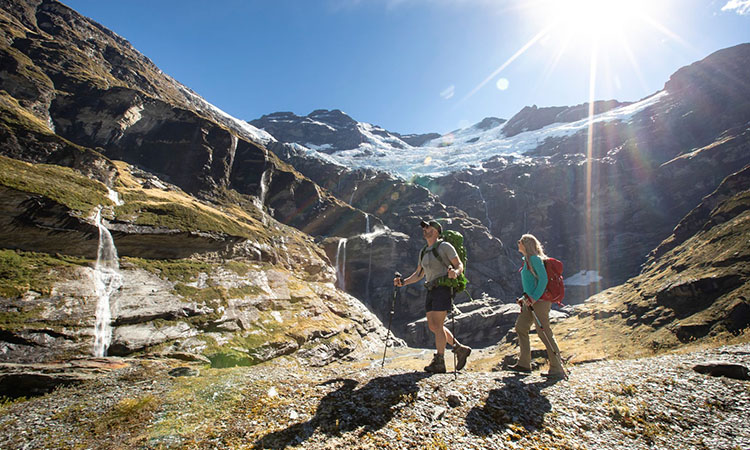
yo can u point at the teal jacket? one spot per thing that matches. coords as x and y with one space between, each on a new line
532 286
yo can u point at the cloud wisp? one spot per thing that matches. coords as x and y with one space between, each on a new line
741 7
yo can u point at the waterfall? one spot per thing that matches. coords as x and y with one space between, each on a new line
265 181
341 265
486 211
367 223
115 197
107 280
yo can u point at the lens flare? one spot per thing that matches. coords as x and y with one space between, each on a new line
502 84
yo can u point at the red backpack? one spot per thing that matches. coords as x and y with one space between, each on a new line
555 290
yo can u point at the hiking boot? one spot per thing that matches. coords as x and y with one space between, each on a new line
437 365
517 368
462 352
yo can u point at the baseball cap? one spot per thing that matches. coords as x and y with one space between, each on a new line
432 223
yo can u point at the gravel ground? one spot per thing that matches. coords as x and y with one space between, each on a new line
658 402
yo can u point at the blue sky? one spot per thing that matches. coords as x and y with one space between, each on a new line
416 66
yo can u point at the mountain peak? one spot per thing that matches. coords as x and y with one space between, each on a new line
532 118
489 122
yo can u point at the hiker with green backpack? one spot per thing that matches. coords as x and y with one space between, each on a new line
440 264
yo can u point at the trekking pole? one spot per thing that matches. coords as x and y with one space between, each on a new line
390 319
453 325
552 344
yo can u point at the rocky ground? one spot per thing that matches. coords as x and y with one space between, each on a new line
657 402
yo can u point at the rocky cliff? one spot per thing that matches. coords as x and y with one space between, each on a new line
692 289
601 210
212 229
239 245
641 178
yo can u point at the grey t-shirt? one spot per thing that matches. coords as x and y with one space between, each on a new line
432 266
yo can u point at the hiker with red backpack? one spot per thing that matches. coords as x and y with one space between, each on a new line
541 277
439 263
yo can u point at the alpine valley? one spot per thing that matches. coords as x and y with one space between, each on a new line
144 231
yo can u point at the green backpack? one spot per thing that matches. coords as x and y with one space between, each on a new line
456 239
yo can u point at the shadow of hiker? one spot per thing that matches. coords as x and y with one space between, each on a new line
515 402
348 408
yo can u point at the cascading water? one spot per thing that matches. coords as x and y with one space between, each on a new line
484 202
107 280
265 181
114 196
486 211
341 265
369 237
369 264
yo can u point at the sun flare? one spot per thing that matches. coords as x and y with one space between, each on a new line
597 18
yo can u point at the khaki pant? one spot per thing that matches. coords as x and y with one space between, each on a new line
523 325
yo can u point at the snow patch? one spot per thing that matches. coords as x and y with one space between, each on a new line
583 278
462 149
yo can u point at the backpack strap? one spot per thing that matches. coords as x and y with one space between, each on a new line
438 255
421 254
435 253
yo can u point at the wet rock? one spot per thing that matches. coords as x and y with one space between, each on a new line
128 339
185 356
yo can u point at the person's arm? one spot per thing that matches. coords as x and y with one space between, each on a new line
541 277
413 278
456 269
448 253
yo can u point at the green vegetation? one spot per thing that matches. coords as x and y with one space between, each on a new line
18 320
60 184
16 119
129 414
21 271
7 401
247 349
184 270
143 210
237 267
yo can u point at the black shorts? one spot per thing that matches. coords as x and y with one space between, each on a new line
438 299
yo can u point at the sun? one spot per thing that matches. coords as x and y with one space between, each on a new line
587 28
596 18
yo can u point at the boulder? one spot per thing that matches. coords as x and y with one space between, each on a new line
722 369
30 380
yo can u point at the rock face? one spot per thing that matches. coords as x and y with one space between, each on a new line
694 287
369 260
27 380
199 198
232 241
416 140
643 178
118 102
533 118
332 131
231 318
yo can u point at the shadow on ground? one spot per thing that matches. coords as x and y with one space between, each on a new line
514 402
348 408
